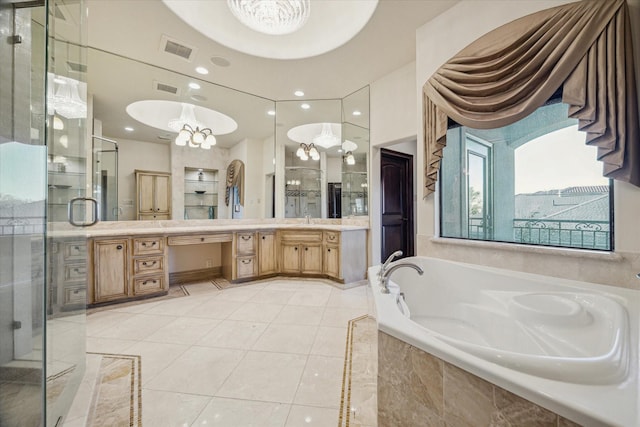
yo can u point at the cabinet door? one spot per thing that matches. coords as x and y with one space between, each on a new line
145 193
162 194
312 259
332 261
267 262
111 269
290 257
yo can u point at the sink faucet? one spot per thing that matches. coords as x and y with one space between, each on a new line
308 219
387 262
384 279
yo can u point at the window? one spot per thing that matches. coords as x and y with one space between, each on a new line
533 182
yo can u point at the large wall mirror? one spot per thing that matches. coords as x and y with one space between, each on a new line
295 158
133 105
322 157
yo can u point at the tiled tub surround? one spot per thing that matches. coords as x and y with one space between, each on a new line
451 298
268 353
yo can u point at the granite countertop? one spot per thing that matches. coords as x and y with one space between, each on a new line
174 227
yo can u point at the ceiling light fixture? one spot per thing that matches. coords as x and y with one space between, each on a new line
271 113
194 85
190 131
305 106
349 158
298 93
326 139
66 96
305 151
202 70
273 17
356 113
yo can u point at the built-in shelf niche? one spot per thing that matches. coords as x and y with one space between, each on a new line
200 193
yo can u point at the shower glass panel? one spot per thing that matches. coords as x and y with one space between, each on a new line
23 183
105 177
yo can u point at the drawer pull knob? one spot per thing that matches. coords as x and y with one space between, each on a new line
263 237
306 249
295 247
76 248
332 237
329 250
245 238
202 239
119 247
246 261
147 281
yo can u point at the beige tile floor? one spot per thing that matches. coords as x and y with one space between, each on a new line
266 354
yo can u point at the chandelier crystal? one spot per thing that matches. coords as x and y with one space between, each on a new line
64 97
273 17
326 139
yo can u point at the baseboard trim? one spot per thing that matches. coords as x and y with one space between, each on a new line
194 275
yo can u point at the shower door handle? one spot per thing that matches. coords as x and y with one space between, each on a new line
72 221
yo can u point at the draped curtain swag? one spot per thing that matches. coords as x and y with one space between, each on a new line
235 178
508 73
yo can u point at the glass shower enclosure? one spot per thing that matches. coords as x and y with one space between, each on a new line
43 170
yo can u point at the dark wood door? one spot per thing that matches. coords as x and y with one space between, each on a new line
396 176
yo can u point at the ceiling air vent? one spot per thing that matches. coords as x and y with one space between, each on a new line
78 68
163 87
178 48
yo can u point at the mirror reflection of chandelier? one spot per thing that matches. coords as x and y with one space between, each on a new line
349 147
190 131
308 151
273 17
66 96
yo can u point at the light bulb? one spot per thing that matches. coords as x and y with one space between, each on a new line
205 145
300 152
351 160
304 157
315 156
183 137
198 137
210 140
313 151
58 124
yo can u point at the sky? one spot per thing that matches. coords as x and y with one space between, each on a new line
557 160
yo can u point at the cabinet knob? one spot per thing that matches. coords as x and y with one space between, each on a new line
202 239
306 249
329 250
246 261
295 247
119 247
245 238
263 237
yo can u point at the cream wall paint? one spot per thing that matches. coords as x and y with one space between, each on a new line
436 42
134 155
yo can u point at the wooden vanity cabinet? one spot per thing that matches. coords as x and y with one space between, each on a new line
111 269
267 253
126 268
301 252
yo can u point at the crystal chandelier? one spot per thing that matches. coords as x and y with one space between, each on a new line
305 151
326 139
64 97
273 17
190 131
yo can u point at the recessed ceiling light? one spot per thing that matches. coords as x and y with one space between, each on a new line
305 106
271 112
356 113
339 150
220 61
298 93
194 85
128 129
202 70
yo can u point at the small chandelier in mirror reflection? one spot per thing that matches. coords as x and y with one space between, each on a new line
273 17
305 151
349 158
197 137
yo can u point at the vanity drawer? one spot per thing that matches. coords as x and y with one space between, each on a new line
74 250
75 295
197 239
146 285
332 237
148 265
148 245
245 243
75 272
301 236
246 267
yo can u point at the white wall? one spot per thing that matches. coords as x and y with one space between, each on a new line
439 40
134 155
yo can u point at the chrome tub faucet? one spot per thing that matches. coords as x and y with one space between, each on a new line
384 278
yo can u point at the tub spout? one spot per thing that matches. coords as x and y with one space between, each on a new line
387 262
384 279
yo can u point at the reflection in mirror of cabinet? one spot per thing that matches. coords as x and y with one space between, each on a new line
200 193
68 269
153 195
355 193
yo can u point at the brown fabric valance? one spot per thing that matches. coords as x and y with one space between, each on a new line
508 73
235 178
